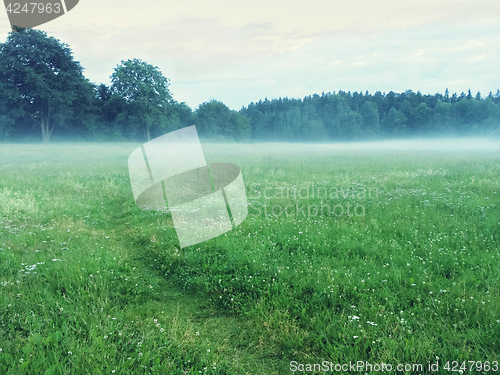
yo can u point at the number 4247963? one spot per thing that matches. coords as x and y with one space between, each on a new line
34 8
471 366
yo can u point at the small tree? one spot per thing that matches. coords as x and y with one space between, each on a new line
145 90
42 78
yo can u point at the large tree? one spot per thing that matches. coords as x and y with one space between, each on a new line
42 79
145 90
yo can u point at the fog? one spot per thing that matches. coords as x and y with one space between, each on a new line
436 144
414 144
420 144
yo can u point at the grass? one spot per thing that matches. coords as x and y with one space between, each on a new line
91 284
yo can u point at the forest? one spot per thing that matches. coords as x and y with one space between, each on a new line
45 96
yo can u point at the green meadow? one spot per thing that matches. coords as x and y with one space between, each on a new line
365 256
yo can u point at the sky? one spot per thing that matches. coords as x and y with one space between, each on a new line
239 52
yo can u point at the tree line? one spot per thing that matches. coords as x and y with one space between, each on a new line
42 88
357 116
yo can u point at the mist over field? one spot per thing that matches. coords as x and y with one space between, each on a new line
428 144
416 144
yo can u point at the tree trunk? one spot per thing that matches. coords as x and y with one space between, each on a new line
46 130
44 135
44 124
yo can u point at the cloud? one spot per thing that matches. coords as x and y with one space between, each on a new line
239 52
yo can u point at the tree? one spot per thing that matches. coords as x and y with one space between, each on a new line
421 117
145 90
352 124
216 119
497 96
442 121
311 127
292 120
396 122
185 113
333 108
8 111
42 79
447 96
369 112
